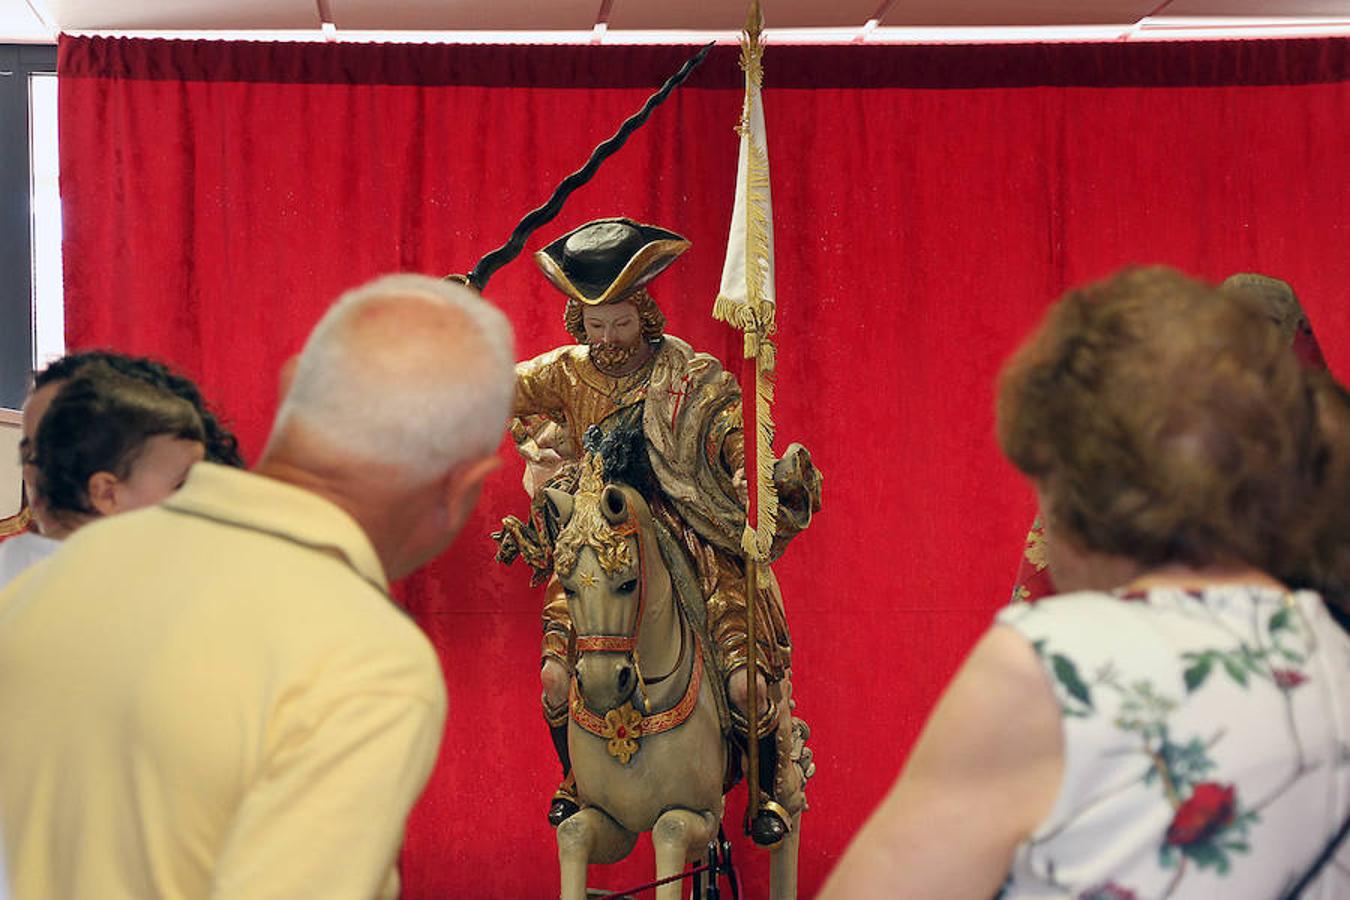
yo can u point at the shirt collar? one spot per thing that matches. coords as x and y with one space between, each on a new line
263 504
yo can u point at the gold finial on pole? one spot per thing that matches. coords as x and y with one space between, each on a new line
752 54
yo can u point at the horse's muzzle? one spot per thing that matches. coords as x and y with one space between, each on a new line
606 680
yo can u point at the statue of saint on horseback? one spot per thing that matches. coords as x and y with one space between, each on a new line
659 512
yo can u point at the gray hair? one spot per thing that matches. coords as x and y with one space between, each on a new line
406 371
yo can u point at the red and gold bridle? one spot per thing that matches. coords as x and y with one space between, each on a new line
624 726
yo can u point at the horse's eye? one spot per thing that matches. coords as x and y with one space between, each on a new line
627 587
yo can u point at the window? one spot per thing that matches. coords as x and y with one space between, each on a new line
30 218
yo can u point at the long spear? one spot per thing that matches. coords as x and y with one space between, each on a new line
542 215
746 301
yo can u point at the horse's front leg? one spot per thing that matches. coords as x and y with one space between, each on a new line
586 836
783 863
679 836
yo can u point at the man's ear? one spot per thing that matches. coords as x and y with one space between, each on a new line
461 487
102 490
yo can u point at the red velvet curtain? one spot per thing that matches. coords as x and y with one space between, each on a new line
930 202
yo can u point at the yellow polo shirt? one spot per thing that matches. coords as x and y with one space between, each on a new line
212 698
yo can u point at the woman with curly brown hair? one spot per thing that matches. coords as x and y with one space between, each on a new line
1174 723
1277 300
1325 567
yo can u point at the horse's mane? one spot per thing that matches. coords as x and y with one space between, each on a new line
622 453
618 456
623 456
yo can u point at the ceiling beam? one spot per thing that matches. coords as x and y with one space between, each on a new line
41 14
602 20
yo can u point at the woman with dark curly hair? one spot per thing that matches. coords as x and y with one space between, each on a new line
98 442
109 444
221 445
1173 724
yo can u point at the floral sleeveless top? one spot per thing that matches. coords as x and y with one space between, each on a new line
1206 741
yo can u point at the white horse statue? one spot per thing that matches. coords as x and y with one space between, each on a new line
645 732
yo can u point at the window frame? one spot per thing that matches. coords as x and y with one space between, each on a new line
17 63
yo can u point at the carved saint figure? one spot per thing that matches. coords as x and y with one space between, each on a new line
625 372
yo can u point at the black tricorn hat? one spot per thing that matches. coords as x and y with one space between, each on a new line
606 260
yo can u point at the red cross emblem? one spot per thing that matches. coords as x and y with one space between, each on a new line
679 396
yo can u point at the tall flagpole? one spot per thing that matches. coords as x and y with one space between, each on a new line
747 301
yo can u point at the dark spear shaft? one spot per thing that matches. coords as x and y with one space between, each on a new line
489 264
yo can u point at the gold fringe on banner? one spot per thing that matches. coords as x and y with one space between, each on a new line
756 542
737 315
757 263
755 314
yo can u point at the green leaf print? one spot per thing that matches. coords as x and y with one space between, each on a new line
1234 669
1207 855
1291 656
1067 675
1188 763
1279 621
1196 673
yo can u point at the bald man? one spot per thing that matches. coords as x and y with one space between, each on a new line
216 696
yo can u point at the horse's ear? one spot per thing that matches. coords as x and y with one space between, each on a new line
560 506
614 505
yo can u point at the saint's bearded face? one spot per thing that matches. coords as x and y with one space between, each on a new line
615 335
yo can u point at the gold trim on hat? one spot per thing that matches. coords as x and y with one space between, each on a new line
645 265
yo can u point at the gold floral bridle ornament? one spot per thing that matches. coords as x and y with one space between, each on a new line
624 726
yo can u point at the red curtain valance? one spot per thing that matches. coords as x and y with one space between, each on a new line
1146 64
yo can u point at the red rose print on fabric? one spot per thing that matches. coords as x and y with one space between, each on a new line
1288 679
1209 809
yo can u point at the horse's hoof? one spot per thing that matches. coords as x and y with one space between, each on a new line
560 810
768 829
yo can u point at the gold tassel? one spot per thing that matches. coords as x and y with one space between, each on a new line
734 313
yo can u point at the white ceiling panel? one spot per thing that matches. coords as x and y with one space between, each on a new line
20 25
824 21
184 15
1257 9
1019 12
729 15
464 15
